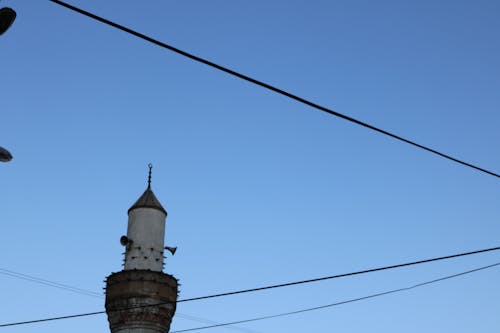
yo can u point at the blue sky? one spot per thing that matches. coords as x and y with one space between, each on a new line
259 189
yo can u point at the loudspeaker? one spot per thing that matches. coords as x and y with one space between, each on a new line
124 240
171 249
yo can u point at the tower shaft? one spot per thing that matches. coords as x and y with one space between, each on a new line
146 234
139 301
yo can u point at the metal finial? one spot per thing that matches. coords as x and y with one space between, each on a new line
150 166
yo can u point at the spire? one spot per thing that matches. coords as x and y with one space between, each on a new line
148 198
150 166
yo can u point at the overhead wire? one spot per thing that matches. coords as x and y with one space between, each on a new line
94 294
49 283
272 88
372 270
393 291
213 322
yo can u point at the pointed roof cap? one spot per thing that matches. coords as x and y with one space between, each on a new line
148 198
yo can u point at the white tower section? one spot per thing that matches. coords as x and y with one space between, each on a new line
145 233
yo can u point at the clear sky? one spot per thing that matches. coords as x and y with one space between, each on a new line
259 189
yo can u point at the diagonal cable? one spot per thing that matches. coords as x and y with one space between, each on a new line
372 270
393 291
273 88
49 283
90 293
261 288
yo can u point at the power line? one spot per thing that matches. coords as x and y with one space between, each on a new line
94 294
212 322
272 88
263 288
338 303
49 283
372 270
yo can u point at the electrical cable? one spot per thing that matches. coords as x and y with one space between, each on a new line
262 288
272 88
212 322
49 283
372 270
94 294
338 303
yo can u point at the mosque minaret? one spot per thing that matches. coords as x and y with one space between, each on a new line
141 298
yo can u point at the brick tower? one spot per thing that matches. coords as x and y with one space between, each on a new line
141 298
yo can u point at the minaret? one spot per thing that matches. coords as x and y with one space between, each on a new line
141 298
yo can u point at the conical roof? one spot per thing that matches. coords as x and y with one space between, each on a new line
148 200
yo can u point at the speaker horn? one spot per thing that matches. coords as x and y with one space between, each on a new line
171 249
124 240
